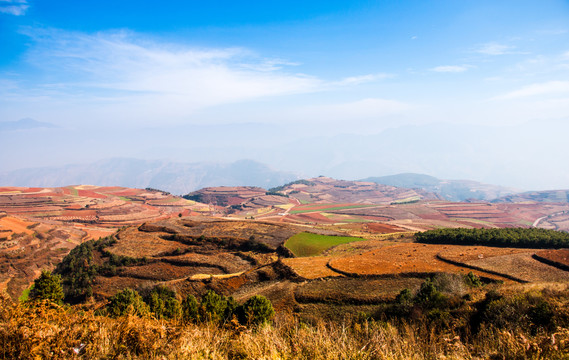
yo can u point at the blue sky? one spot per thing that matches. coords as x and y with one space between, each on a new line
314 68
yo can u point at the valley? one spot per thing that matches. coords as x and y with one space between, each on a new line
239 240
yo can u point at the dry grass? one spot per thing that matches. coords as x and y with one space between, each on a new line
54 332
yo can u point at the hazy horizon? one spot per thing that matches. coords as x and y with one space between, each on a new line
473 90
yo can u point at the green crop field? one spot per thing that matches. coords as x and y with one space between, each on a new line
308 244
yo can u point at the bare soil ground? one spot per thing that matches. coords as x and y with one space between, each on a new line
522 266
355 291
406 258
311 267
560 256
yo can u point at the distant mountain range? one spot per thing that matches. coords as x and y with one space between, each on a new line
176 178
181 178
551 196
24 124
453 190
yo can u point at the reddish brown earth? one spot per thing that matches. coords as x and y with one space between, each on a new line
39 226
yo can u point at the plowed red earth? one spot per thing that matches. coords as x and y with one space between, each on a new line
560 256
402 258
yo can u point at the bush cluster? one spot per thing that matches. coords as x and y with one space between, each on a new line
163 303
508 237
78 269
441 304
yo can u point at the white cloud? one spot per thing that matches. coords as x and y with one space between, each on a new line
451 68
494 48
356 80
121 75
122 66
550 87
19 8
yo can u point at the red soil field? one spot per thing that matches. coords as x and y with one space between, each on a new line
311 207
30 190
311 267
383 228
560 256
400 258
91 194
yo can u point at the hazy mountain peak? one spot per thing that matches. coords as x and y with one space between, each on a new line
24 124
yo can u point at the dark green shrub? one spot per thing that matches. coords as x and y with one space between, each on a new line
472 280
212 307
429 297
47 287
190 309
257 309
125 302
405 297
163 303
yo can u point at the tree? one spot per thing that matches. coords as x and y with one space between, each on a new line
212 307
47 287
190 309
257 309
127 301
163 303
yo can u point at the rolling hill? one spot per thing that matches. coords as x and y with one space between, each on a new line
452 190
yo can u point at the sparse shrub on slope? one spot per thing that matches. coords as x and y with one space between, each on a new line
125 302
472 280
212 307
163 303
256 310
47 287
190 309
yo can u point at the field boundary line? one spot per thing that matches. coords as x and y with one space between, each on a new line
550 262
474 267
382 276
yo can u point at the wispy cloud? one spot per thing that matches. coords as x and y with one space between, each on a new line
494 48
131 77
124 62
451 68
356 80
550 87
14 7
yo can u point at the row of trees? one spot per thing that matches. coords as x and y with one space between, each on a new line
507 237
163 303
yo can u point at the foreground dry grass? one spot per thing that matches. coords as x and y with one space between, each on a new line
54 332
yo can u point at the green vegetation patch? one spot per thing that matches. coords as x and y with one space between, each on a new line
508 237
309 244
331 208
25 294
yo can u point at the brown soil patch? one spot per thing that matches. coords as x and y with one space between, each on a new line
522 266
397 259
311 267
134 243
355 291
470 253
160 271
227 262
10 225
560 256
